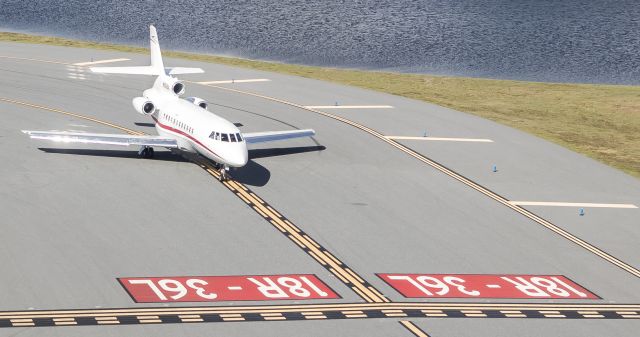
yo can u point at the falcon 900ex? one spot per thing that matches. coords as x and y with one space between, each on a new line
182 123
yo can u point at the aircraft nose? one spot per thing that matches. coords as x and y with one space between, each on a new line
239 159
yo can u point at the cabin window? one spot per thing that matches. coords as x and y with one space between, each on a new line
212 135
233 137
238 137
225 137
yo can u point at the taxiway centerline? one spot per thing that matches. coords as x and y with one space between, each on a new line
476 186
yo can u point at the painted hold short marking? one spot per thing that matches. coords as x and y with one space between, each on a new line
251 80
100 62
348 106
445 139
570 204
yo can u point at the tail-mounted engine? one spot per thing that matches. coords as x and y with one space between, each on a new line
173 84
144 106
198 101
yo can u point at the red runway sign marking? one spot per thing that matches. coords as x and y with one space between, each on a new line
486 286
226 288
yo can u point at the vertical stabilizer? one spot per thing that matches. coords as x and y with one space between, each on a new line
157 66
154 46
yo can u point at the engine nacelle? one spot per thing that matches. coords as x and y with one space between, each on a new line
144 106
198 101
174 85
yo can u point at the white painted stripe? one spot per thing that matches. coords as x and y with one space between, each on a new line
481 140
348 106
236 81
571 204
99 62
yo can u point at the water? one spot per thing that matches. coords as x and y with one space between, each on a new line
542 40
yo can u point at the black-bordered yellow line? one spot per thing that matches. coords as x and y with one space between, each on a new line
414 329
395 310
72 114
332 264
354 281
476 186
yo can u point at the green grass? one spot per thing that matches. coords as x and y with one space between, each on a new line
600 121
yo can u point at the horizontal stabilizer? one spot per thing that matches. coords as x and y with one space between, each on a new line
183 70
141 70
103 138
270 136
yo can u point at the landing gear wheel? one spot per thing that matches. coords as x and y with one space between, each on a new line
146 152
223 174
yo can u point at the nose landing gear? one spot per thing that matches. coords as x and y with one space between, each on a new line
223 171
146 152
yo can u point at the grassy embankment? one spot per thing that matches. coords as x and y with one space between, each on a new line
601 121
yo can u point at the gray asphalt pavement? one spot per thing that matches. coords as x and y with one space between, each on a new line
75 219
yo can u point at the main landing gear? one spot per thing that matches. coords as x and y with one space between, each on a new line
146 152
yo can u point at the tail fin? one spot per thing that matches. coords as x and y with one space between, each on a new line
157 66
154 46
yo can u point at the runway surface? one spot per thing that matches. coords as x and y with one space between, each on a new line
368 195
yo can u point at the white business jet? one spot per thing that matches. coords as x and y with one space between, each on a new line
182 123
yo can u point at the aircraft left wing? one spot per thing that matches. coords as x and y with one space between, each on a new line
103 138
270 136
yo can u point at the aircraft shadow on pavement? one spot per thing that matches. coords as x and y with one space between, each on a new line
254 174
149 125
159 155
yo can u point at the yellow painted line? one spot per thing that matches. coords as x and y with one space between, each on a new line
12 101
478 140
312 241
413 329
555 316
515 315
356 316
348 106
68 319
297 242
191 320
570 204
106 314
593 316
311 313
626 313
65 323
472 184
353 312
34 60
275 224
315 317
189 316
99 62
250 80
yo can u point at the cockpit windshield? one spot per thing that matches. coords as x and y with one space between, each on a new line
226 137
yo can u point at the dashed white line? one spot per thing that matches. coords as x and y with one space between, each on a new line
348 106
236 81
480 140
99 62
234 288
571 204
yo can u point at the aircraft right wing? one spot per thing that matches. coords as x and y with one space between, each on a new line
103 138
270 136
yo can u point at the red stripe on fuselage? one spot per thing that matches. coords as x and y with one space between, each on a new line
166 127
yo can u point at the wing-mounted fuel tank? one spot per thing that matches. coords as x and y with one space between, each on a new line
198 101
144 105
